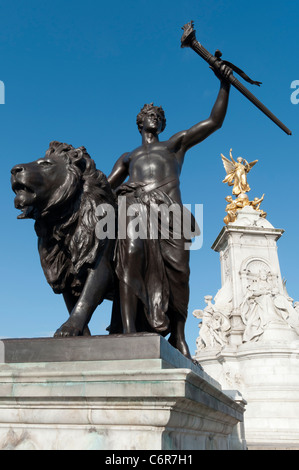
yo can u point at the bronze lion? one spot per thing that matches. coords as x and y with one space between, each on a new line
61 193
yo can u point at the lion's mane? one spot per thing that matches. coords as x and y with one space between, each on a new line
68 244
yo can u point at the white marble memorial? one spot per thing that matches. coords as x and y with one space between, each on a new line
249 332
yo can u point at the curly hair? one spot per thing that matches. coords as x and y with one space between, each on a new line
147 108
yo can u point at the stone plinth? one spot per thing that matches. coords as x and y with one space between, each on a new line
131 392
249 336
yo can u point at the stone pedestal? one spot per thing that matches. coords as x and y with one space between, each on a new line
249 336
132 392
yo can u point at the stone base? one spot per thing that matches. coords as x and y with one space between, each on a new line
267 375
131 392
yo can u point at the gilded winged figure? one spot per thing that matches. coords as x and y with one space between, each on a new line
236 173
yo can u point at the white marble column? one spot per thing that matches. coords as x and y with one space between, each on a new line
249 333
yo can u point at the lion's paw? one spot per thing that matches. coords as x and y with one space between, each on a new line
70 330
66 331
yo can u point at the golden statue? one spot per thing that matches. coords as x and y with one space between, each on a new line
236 176
236 173
256 203
232 207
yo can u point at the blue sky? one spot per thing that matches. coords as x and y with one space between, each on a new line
79 72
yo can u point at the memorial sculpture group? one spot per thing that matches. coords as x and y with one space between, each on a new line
147 278
263 302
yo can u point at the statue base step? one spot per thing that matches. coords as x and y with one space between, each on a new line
132 392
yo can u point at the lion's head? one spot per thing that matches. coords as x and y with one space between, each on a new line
61 192
47 185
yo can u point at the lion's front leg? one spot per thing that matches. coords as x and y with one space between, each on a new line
98 282
72 327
